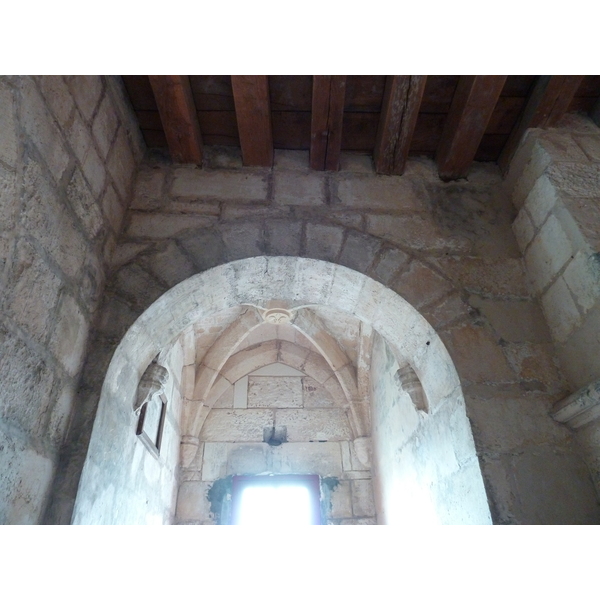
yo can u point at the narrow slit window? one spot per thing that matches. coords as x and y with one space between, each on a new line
276 500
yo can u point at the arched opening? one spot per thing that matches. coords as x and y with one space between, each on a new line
283 365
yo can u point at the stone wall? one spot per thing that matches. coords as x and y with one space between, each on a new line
425 471
555 185
68 154
447 248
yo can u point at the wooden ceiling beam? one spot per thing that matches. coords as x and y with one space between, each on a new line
472 106
399 112
253 114
178 116
548 101
328 95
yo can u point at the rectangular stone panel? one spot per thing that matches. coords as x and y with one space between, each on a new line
237 425
274 392
314 424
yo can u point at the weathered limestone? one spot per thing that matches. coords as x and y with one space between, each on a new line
52 265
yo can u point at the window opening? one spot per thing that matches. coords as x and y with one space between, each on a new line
276 500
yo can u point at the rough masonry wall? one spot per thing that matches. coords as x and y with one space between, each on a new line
555 185
68 154
447 248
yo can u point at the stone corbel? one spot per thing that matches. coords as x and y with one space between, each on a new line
151 386
579 408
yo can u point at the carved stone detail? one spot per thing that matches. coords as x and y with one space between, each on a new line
152 385
411 384
277 316
579 408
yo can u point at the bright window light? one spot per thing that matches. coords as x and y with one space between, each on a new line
283 500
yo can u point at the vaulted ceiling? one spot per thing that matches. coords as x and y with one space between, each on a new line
453 119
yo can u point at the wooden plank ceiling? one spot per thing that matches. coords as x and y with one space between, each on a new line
452 119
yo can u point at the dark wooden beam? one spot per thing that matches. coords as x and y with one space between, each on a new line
173 96
253 114
548 101
328 95
472 106
399 112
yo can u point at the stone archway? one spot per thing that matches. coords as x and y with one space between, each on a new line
422 459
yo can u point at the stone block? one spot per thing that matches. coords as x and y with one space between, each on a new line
9 142
134 283
274 392
520 420
86 90
446 311
232 186
378 192
560 310
389 263
328 424
39 126
205 247
523 230
243 240
248 459
70 335
416 231
316 395
582 277
362 498
80 138
94 171
360 453
590 144
541 200
554 488
113 209
505 277
170 265
9 199
579 354
58 97
575 180
105 126
25 480
514 321
214 461
122 165
26 385
33 291
549 251
148 194
283 237
341 501
297 188
236 425
561 147
323 241
85 206
359 251
420 285
580 218
323 459
160 226
476 355
192 501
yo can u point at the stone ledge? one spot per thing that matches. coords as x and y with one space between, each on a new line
579 408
